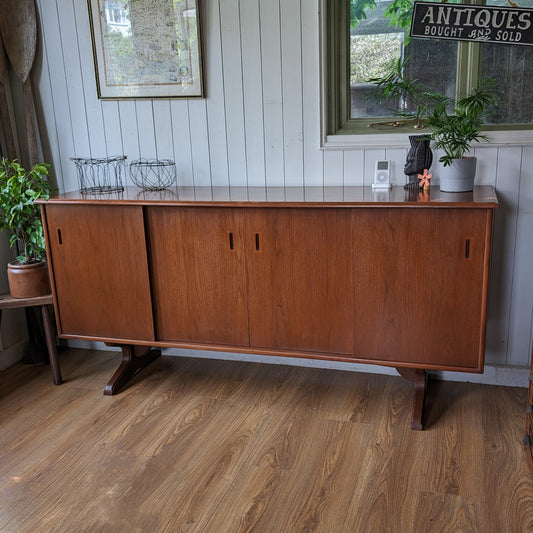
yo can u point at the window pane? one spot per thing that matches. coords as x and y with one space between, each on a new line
512 68
375 50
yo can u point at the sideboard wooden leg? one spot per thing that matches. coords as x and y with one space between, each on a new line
420 378
134 359
50 336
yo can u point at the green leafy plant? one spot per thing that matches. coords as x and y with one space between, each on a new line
397 87
455 132
399 13
454 127
19 215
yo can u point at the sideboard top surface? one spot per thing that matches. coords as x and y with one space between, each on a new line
483 196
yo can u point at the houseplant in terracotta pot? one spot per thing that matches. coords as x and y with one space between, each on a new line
19 188
454 127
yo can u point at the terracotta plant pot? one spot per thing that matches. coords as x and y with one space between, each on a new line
27 281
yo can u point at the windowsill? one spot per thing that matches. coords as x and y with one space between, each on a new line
401 140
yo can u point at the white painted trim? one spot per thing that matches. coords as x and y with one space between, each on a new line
13 354
493 374
377 140
401 140
322 69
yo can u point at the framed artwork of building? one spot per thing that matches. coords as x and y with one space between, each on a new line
146 48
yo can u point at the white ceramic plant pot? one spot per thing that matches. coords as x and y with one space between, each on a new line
459 176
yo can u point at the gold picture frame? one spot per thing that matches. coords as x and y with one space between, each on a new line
146 48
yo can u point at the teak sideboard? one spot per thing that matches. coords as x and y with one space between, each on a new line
396 278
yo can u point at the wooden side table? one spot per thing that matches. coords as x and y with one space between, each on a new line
8 302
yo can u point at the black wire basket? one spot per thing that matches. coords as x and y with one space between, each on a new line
153 174
100 175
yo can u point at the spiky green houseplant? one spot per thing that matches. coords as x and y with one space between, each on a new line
453 127
454 133
19 188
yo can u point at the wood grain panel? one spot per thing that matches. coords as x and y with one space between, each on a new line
299 279
504 487
418 297
100 271
199 282
215 446
444 512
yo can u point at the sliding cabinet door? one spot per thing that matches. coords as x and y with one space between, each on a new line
100 271
300 279
198 274
420 285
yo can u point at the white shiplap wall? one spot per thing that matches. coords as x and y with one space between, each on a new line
260 125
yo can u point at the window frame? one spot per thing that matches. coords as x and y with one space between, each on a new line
340 131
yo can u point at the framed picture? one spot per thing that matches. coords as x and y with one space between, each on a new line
146 48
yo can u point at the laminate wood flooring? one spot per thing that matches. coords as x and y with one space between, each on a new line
196 445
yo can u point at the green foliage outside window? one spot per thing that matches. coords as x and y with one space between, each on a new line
379 54
400 12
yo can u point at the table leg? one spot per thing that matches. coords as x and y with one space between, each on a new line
134 359
1 345
51 344
420 378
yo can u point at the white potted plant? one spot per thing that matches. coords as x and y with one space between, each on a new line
453 127
455 132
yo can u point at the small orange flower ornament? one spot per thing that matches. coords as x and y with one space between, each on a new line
424 179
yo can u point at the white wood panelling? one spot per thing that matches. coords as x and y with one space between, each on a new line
271 62
198 129
508 186
354 165
181 135
216 106
334 161
164 145
260 124
521 315
313 163
397 157
291 68
230 31
112 129
252 75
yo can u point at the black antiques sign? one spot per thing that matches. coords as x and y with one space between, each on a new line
493 24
